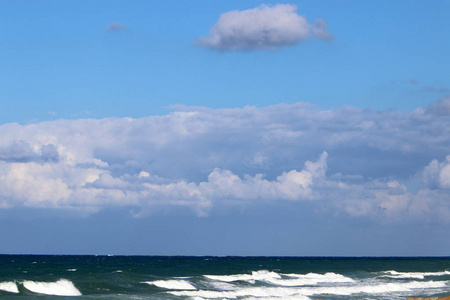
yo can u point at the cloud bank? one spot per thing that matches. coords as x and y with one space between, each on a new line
263 27
385 165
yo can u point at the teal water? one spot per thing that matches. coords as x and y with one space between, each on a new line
197 278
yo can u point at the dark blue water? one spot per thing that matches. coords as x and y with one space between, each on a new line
151 277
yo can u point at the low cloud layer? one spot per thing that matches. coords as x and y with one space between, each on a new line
385 165
263 27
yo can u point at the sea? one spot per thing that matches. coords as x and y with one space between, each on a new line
197 278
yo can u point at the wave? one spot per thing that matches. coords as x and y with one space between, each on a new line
382 288
258 292
280 279
305 292
62 287
310 279
297 297
415 275
256 275
172 284
223 286
9 286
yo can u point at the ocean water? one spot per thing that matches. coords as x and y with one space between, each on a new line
197 278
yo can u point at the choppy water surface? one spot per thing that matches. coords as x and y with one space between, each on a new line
142 277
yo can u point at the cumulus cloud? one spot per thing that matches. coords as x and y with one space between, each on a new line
385 165
437 174
263 27
441 107
21 151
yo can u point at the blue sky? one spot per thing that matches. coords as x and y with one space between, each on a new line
225 127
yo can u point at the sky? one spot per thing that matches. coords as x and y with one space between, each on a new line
301 128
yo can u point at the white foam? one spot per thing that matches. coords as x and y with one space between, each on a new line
224 286
381 288
71 270
62 287
9 286
256 275
304 292
172 284
415 275
295 297
258 292
277 279
298 297
310 279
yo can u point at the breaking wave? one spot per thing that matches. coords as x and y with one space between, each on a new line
256 275
309 279
414 275
62 287
172 284
305 292
9 286
283 279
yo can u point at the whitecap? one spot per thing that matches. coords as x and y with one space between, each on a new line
257 292
309 279
223 286
172 284
377 289
62 287
305 292
256 275
9 286
415 275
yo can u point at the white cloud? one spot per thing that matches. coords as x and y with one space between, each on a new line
437 175
263 27
387 165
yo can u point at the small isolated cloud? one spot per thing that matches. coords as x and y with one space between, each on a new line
263 27
117 26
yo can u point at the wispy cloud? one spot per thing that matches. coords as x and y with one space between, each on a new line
117 26
387 165
263 27
428 88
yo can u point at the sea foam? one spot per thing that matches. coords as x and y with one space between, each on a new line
415 275
305 292
283 279
309 279
256 275
381 288
9 286
172 284
258 292
62 287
